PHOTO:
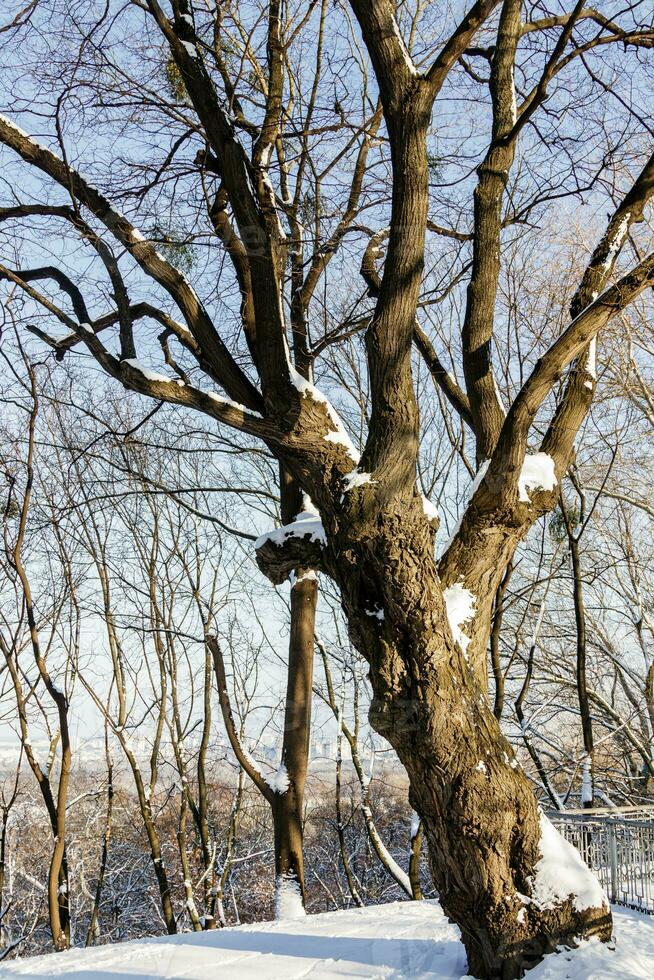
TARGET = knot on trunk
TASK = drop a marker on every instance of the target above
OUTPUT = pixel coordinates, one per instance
(298, 544)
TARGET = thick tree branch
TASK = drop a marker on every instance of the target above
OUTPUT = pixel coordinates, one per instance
(442, 377)
(644, 38)
(137, 311)
(458, 43)
(146, 382)
(393, 65)
(477, 333)
(252, 200)
(234, 380)
(457, 398)
(576, 401)
(511, 447)
(62, 280)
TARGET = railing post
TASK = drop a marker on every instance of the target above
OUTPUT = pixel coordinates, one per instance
(613, 861)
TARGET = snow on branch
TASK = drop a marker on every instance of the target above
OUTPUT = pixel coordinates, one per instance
(385, 856)
(147, 373)
(148, 382)
(308, 390)
(537, 473)
(276, 783)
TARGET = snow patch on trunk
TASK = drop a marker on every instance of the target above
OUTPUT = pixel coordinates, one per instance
(406, 57)
(308, 390)
(288, 898)
(460, 607)
(308, 506)
(591, 360)
(430, 511)
(514, 107)
(617, 241)
(356, 479)
(308, 576)
(279, 781)
(586, 780)
(190, 49)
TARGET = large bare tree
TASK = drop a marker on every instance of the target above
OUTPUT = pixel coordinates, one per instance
(422, 623)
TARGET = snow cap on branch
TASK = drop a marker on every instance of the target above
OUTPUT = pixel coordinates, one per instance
(537, 473)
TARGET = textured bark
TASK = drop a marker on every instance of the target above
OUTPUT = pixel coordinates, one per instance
(480, 817)
(481, 385)
(279, 563)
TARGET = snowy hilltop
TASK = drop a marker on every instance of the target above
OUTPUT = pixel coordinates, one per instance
(401, 940)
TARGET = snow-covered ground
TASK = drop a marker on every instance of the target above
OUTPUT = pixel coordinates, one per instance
(403, 940)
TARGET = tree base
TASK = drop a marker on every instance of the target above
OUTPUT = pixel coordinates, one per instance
(538, 933)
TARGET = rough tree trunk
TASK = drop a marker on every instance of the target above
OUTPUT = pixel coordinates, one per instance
(481, 821)
(285, 790)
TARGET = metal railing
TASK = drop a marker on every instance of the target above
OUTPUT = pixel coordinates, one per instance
(619, 849)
